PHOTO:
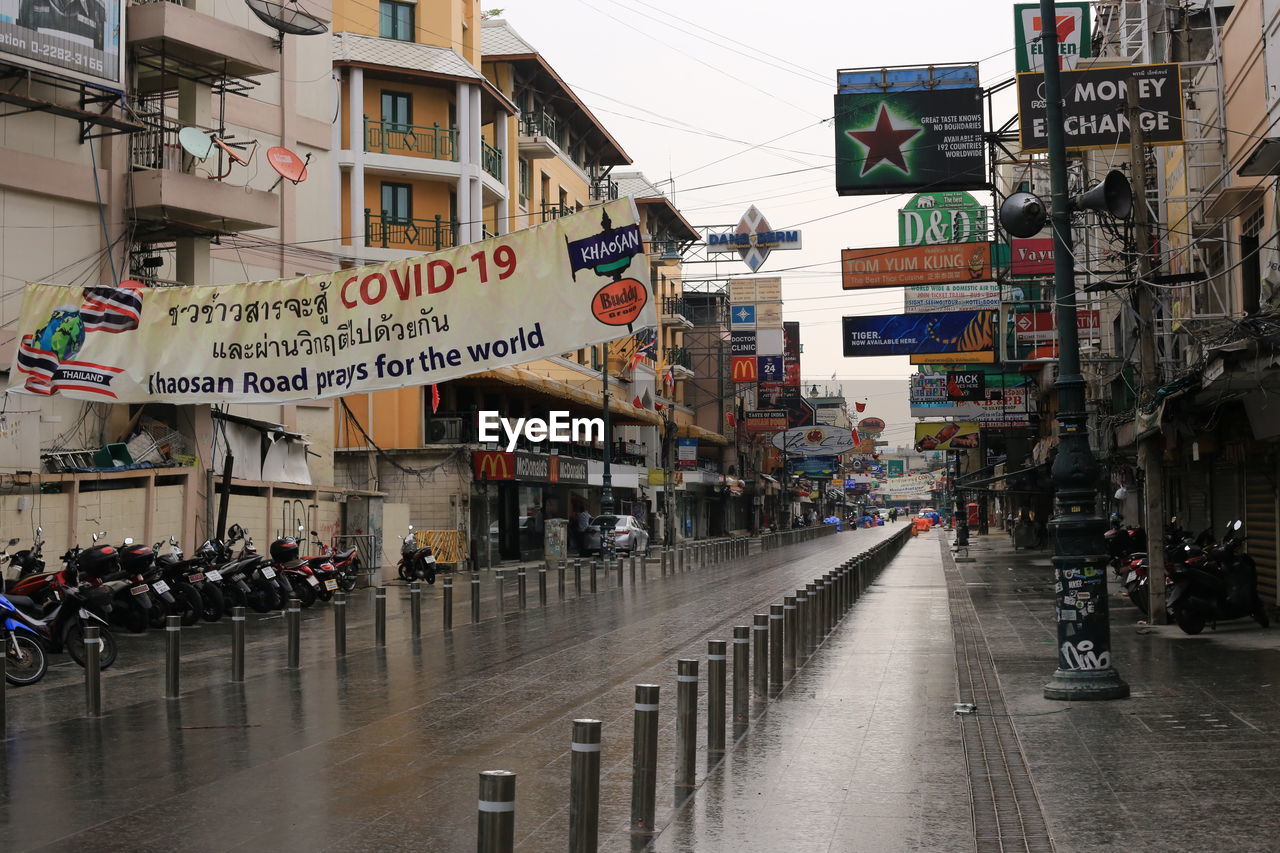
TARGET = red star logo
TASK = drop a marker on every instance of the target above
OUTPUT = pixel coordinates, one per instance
(884, 142)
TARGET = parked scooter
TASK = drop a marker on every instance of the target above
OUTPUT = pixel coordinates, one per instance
(416, 563)
(268, 590)
(1215, 584)
(285, 560)
(25, 661)
(60, 624)
(345, 564)
(28, 561)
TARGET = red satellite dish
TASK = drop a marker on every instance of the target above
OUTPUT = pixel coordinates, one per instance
(290, 166)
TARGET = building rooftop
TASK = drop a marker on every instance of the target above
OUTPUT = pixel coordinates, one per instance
(351, 47)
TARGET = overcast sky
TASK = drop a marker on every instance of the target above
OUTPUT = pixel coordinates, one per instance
(689, 88)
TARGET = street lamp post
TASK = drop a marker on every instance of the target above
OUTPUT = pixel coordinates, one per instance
(1084, 630)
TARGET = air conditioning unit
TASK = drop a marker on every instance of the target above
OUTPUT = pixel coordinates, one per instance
(444, 430)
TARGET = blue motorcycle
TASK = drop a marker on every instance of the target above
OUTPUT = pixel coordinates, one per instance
(25, 661)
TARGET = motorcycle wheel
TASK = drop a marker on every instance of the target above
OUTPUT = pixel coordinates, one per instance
(106, 645)
(304, 592)
(187, 603)
(430, 573)
(1190, 621)
(263, 598)
(212, 602)
(403, 570)
(128, 614)
(1141, 598)
(323, 593)
(26, 662)
(347, 579)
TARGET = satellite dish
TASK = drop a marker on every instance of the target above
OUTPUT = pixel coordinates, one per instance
(290, 166)
(235, 151)
(195, 142)
(286, 18)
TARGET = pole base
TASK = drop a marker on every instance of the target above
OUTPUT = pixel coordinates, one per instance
(1085, 685)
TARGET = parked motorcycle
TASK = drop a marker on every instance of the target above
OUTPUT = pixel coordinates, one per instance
(345, 564)
(267, 590)
(60, 624)
(28, 561)
(1215, 584)
(25, 660)
(204, 599)
(303, 583)
(416, 563)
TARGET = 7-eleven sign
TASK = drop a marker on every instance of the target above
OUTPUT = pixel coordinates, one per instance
(1074, 39)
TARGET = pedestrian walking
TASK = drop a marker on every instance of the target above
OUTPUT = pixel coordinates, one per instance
(581, 523)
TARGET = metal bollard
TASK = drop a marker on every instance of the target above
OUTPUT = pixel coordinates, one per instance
(802, 626)
(340, 624)
(475, 598)
(741, 678)
(172, 652)
(542, 586)
(380, 616)
(293, 622)
(237, 644)
(665, 559)
(813, 638)
(680, 557)
(716, 663)
(446, 612)
(496, 823)
(92, 672)
(631, 569)
(595, 567)
(760, 651)
(788, 635)
(500, 579)
(618, 569)
(775, 648)
(584, 787)
(522, 589)
(415, 607)
(577, 577)
(644, 759)
(560, 578)
(686, 722)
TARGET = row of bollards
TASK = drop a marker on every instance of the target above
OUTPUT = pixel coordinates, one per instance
(780, 640)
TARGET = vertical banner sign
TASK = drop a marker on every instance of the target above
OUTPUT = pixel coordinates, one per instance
(687, 452)
(580, 280)
(791, 354)
(1074, 35)
(908, 130)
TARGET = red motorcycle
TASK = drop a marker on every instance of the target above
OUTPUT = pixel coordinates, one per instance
(416, 563)
(303, 581)
(344, 564)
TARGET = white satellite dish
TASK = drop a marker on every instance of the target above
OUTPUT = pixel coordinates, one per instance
(195, 142)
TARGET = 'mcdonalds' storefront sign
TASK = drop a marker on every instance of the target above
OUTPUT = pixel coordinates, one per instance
(579, 280)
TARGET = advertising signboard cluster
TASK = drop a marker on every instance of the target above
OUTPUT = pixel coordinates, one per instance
(1008, 399)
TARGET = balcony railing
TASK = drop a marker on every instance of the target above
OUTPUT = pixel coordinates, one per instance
(540, 123)
(157, 146)
(679, 357)
(605, 190)
(392, 232)
(555, 211)
(666, 250)
(491, 159)
(672, 305)
(435, 142)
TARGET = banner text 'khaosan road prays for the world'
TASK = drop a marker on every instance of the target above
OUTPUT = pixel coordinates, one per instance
(577, 281)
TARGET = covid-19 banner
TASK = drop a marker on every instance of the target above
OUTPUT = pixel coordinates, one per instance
(577, 281)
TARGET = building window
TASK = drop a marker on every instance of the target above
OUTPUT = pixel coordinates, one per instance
(396, 20)
(397, 202)
(1251, 262)
(397, 115)
(526, 182)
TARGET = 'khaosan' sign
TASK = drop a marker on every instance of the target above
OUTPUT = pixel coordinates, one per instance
(579, 280)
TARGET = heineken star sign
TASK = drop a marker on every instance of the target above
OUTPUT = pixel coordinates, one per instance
(909, 130)
(945, 217)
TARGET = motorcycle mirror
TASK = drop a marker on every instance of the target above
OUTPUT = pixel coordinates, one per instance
(411, 527)
(1173, 520)
(13, 541)
(39, 532)
(95, 537)
(300, 528)
(1239, 524)
(313, 533)
(128, 540)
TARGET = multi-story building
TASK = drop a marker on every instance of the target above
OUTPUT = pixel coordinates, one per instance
(96, 187)
(453, 128)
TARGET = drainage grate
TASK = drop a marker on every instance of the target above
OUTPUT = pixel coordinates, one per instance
(1006, 810)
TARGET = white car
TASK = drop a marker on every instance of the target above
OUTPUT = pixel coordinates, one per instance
(627, 533)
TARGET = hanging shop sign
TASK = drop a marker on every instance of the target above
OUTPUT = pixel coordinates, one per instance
(1040, 326)
(951, 297)
(77, 41)
(909, 130)
(742, 368)
(1095, 107)
(965, 386)
(742, 343)
(765, 420)
(753, 239)
(687, 452)
(907, 334)
(818, 467)
(769, 369)
(943, 217)
(742, 317)
(1031, 256)
(896, 467)
(955, 358)
(1074, 38)
(791, 354)
(871, 426)
(799, 412)
(530, 467)
(576, 281)
(753, 290)
(817, 440)
(894, 266)
(949, 436)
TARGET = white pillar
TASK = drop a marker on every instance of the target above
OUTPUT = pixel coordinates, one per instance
(468, 129)
(477, 193)
(503, 140)
(355, 130)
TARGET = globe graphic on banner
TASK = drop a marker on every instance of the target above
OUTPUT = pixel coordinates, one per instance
(63, 335)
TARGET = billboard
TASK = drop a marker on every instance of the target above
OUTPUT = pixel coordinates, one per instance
(817, 440)
(742, 343)
(965, 386)
(1095, 107)
(742, 368)
(1031, 256)
(1008, 398)
(77, 40)
(1042, 326)
(951, 297)
(961, 435)
(988, 357)
(687, 452)
(943, 217)
(907, 141)
(1074, 39)
(947, 333)
(898, 266)
(765, 420)
(751, 290)
(791, 354)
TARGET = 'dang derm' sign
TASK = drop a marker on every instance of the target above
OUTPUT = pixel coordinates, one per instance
(580, 280)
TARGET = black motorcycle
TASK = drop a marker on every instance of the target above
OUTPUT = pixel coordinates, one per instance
(1214, 584)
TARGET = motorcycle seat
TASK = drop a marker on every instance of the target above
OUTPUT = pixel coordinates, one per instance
(343, 555)
(22, 602)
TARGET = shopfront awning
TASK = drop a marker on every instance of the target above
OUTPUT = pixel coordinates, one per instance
(703, 435)
(623, 411)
